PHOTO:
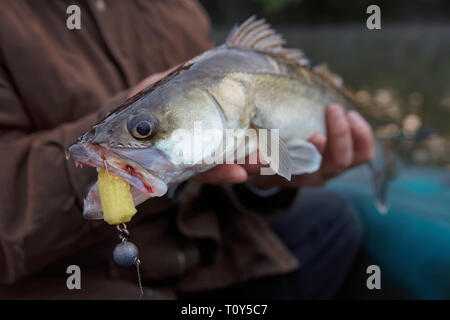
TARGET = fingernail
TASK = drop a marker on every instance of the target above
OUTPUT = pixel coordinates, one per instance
(336, 112)
(355, 118)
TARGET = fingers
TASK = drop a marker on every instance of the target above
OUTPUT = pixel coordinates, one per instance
(254, 168)
(319, 141)
(224, 174)
(363, 140)
(350, 142)
(339, 150)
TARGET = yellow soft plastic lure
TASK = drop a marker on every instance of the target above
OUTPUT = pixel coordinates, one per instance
(116, 198)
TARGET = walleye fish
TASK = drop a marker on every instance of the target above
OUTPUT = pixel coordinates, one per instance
(251, 81)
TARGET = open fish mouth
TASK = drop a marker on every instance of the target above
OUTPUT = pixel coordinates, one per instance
(144, 185)
(103, 158)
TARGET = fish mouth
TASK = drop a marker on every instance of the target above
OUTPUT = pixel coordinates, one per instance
(100, 157)
(143, 183)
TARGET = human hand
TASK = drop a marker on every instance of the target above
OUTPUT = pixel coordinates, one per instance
(349, 143)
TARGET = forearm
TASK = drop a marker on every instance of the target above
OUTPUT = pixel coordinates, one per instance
(42, 197)
(41, 208)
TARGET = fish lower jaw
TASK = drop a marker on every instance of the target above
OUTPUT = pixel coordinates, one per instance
(144, 182)
(101, 158)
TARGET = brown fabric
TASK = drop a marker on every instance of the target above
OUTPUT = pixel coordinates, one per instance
(54, 84)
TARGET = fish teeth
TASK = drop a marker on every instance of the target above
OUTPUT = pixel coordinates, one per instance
(78, 165)
(106, 166)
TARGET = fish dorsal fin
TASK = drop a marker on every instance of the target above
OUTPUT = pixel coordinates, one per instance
(323, 70)
(256, 34)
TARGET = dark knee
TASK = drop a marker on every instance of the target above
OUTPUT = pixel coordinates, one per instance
(319, 214)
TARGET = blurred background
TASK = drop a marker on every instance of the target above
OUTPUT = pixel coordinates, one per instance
(400, 76)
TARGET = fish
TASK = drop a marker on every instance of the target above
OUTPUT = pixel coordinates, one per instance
(251, 82)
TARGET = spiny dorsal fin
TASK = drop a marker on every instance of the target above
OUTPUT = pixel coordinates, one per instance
(257, 35)
(323, 70)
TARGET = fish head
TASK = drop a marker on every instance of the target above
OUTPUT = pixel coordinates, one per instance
(152, 142)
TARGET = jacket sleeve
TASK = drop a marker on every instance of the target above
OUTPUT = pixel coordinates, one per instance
(41, 193)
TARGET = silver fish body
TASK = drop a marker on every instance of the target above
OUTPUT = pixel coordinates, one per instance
(249, 82)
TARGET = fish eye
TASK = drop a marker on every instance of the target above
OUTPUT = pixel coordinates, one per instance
(142, 126)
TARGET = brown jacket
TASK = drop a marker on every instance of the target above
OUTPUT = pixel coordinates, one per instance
(54, 84)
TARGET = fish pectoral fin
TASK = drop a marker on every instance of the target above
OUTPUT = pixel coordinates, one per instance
(305, 157)
(296, 157)
(279, 160)
(284, 166)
